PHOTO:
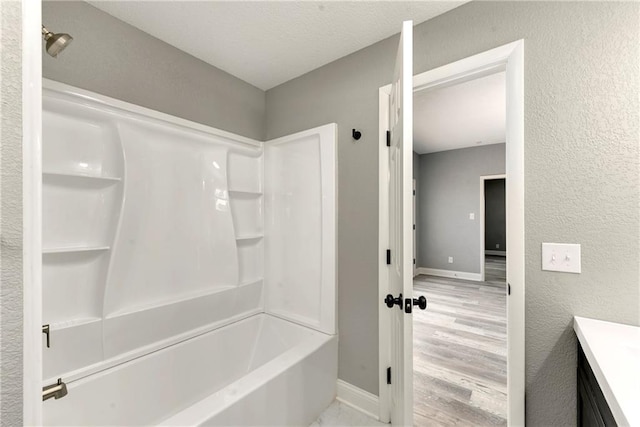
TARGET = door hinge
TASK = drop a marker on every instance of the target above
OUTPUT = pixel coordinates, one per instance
(46, 329)
(414, 192)
(388, 138)
(414, 226)
(389, 375)
(508, 289)
(414, 261)
(388, 256)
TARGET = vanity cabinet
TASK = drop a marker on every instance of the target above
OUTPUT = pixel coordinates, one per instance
(593, 410)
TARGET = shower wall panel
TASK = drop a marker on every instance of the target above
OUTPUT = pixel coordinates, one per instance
(176, 237)
(152, 230)
(300, 191)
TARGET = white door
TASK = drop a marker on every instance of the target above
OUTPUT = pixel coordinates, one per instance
(400, 230)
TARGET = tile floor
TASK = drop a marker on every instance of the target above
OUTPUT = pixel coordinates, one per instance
(340, 415)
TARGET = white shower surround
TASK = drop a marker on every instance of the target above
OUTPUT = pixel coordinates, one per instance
(168, 245)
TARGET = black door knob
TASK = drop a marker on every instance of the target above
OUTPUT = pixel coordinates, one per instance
(391, 301)
(420, 302)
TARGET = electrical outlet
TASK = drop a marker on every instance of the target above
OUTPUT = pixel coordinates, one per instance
(472, 215)
(450, 260)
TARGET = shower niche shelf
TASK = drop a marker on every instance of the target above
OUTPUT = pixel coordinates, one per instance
(245, 193)
(245, 172)
(73, 323)
(77, 249)
(250, 260)
(49, 175)
(78, 141)
(250, 237)
(246, 210)
(78, 211)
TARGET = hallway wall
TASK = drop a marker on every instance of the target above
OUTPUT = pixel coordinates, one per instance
(449, 192)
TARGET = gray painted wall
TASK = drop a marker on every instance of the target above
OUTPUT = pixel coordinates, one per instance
(116, 59)
(495, 224)
(449, 192)
(11, 214)
(581, 172)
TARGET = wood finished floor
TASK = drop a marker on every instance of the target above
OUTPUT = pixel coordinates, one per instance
(460, 350)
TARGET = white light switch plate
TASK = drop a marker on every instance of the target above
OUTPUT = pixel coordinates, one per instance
(563, 257)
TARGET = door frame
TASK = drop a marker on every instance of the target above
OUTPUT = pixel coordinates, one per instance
(508, 58)
(32, 212)
(482, 218)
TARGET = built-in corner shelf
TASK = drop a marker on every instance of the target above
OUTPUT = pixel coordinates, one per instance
(72, 175)
(255, 236)
(246, 193)
(72, 323)
(75, 249)
(250, 281)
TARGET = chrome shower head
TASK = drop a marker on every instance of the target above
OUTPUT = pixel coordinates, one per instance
(55, 42)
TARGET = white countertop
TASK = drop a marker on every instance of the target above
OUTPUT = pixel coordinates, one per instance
(613, 351)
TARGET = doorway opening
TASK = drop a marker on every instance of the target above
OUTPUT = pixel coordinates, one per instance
(493, 225)
(460, 342)
(507, 59)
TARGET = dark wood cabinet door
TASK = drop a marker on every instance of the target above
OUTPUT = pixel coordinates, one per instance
(588, 415)
(593, 409)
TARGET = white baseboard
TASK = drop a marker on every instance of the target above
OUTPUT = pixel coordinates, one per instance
(359, 399)
(476, 277)
(494, 252)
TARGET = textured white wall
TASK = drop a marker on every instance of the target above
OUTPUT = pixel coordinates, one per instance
(582, 81)
(11, 214)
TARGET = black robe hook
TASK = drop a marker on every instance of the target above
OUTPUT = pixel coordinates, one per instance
(356, 134)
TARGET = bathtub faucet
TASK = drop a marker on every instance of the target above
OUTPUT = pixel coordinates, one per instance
(56, 390)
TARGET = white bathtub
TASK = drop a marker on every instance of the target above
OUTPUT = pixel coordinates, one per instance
(259, 371)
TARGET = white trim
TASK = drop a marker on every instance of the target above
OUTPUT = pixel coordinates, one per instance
(32, 212)
(495, 253)
(515, 235)
(509, 58)
(483, 252)
(357, 398)
(466, 69)
(464, 275)
(85, 97)
(384, 318)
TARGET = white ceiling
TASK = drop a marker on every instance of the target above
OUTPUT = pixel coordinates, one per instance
(460, 116)
(267, 43)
